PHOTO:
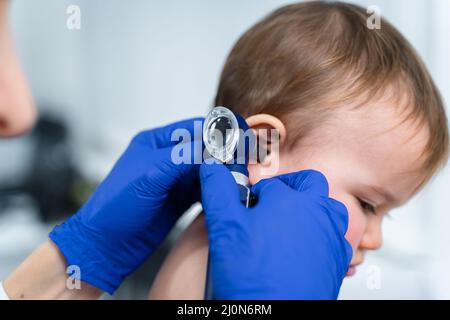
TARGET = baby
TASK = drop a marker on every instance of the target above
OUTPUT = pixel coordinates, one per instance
(356, 104)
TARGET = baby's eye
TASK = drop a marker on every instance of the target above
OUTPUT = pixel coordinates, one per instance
(367, 207)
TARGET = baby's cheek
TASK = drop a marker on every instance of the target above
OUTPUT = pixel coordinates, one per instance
(356, 226)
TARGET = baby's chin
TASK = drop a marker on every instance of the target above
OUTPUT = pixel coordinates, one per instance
(351, 271)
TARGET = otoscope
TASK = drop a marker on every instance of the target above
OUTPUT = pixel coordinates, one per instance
(227, 138)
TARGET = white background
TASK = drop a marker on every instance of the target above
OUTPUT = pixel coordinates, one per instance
(138, 64)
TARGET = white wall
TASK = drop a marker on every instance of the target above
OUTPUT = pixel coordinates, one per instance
(137, 64)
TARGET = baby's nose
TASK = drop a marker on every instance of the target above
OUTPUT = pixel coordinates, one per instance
(372, 238)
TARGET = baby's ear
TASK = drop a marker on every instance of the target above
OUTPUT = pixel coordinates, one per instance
(271, 136)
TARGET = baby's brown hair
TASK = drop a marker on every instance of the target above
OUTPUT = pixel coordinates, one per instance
(304, 58)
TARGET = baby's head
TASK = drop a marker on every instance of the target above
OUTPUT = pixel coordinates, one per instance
(354, 103)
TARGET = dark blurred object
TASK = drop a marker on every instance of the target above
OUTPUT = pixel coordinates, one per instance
(53, 181)
(52, 172)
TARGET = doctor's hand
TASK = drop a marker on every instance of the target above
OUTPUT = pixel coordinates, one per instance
(290, 245)
(132, 210)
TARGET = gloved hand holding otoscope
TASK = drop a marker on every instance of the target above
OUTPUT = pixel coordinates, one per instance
(280, 239)
(229, 140)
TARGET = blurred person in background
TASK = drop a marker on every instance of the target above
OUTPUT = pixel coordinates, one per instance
(17, 110)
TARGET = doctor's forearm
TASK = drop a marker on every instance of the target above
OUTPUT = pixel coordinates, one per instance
(43, 276)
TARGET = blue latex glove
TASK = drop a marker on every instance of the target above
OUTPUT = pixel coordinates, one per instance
(290, 245)
(132, 210)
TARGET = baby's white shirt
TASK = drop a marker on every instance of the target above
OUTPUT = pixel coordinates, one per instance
(3, 295)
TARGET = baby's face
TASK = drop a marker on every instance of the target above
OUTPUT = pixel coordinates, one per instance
(369, 158)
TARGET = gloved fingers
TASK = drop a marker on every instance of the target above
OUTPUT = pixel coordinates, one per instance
(172, 169)
(266, 188)
(338, 215)
(349, 253)
(172, 134)
(183, 155)
(220, 193)
(186, 191)
(308, 181)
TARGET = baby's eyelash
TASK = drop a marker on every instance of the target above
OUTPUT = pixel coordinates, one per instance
(367, 207)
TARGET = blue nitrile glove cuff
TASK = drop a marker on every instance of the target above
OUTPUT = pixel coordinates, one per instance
(95, 269)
